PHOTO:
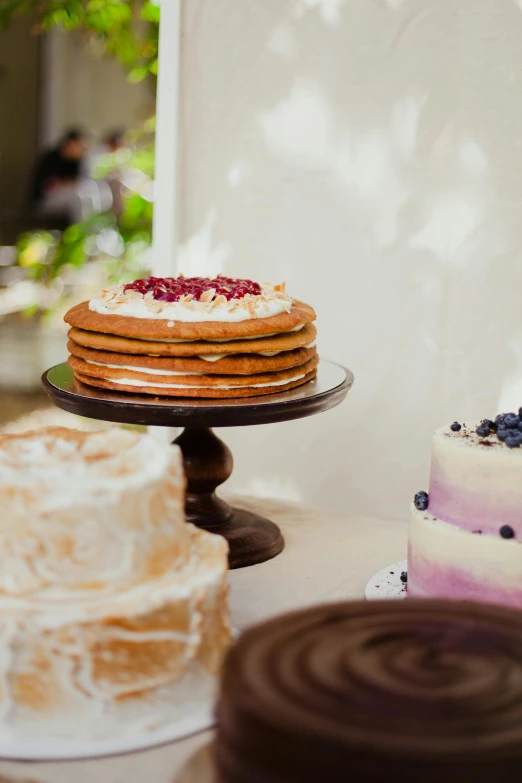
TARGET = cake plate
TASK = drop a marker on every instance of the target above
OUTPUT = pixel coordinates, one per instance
(207, 460)
(198, 716)
(387, 584)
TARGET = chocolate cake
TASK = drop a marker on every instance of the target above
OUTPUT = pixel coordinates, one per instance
(420, 691)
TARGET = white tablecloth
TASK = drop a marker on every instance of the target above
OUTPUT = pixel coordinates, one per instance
(329, 556)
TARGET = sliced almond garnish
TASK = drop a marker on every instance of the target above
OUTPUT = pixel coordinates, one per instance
(207, 296)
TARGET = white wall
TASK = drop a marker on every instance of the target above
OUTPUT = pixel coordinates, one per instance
(370, 153)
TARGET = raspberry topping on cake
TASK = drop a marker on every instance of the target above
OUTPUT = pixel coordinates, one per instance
(202, 289)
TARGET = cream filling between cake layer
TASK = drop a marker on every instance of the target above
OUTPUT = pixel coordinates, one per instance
(224, 340)
(115, 301)
(142, 369)
(216, 357)
(134, 382)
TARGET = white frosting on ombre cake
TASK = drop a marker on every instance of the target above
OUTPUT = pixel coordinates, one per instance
(446, 561)
(475, 483)
(468, 543)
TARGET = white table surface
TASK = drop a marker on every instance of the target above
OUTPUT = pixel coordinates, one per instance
(329, 556)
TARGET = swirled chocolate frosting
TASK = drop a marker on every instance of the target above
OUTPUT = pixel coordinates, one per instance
(411, 691)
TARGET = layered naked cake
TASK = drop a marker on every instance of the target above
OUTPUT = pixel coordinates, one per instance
(193, 337)
(106, 593)
(366, 692)
(465, 535)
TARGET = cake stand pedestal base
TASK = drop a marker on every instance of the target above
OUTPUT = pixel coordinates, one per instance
(208, 463)
(207, 460)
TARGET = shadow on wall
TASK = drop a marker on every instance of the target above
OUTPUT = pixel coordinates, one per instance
(368, 154)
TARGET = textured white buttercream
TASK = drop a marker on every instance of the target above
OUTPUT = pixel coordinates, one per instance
(105, 591)
(95, 509)
(65, 663)
(99, 462)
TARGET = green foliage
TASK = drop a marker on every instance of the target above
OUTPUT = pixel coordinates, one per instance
(127, 29)
(119, 241)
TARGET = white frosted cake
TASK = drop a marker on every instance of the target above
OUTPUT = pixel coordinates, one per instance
(465, 534)
(106, 593)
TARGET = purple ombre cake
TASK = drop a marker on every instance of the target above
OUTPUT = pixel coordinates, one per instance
(465, 535)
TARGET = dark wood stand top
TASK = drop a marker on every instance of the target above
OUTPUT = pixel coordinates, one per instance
(207, 460)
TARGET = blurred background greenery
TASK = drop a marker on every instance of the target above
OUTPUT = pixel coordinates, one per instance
(118, 240)
(116, 24)
(70, 63)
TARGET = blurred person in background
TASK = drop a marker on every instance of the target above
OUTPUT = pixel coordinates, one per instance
(63, 188)
(113, 142)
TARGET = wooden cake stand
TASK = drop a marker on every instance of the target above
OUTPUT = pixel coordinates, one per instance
(207, 460)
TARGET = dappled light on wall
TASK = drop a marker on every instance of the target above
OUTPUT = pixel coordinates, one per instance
(368, 152)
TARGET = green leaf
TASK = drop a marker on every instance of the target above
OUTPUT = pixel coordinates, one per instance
(111, 22)
(77, 255)
(30, 311)
(151, 12)
(138, 74)
(72, 234)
